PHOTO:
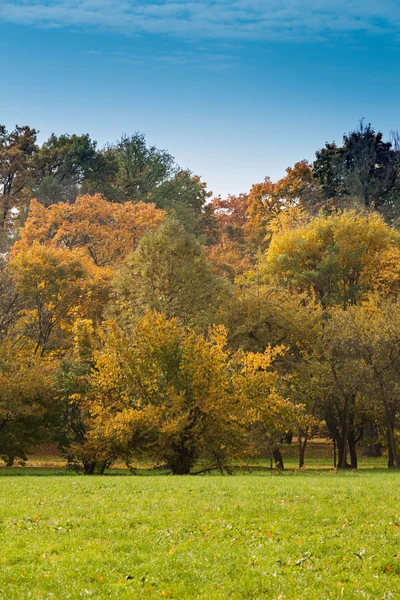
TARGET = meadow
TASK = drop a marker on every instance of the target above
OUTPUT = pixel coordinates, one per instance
(252, 535)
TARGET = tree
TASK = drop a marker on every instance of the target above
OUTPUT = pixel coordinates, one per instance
(299, 188)
(263, 206)
(228, 249)
(180, 397)
(365, 167)
(57, 286)
(27, 395)
(17, 150)
(75, 436)
(107, 232)
(10, 301)
(165, 390)
(184, 196)
(140, 169)
(261, 316)
(375, 337)
(67, 162)
(266, 415)
(168, 273)
(335, 376)
(333, 258)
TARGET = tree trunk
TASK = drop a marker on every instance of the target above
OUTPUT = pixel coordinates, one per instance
(278, 459)
(10, 461)
(302, 448)
(180, 467)
(288, 437)
(182, 460)
(89, 466)
(353, 455)
(373, 448)
(393, 461)
(338, 428)
(342, 453)
(352, 440)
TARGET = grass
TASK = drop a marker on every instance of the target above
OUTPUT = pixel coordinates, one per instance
(308, 535)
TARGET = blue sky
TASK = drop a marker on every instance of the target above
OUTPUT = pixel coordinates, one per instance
(235, 90)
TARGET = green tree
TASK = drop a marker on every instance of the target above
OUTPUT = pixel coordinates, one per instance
(364, 167)
(140, 169)
(168, 273)
(17, 169)
(333, 374)
(374, 336)
(66, 163)
(185, 195)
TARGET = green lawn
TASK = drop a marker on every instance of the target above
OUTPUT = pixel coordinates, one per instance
(259, 535)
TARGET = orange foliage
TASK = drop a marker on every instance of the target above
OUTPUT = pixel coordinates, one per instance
(107, 231)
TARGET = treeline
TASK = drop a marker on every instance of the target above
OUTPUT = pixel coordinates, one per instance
(138, 317)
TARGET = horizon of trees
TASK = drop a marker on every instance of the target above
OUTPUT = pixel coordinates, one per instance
(141, 316)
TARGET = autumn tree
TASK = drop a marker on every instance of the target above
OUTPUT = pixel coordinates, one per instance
(331, 257)
(27, 396)
(76, 431)
(168, 273)
(266, 415)
(10, 300)
(259, 316)
(228, 250)
(162, 389)
(299, 188)
(375, 338)
(180, 397)
(262, 207)
(57, 286)
(107, 232)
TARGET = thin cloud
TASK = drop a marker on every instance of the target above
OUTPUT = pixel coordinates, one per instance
(275, 20)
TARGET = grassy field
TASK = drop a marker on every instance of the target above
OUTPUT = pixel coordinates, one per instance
(305, 535)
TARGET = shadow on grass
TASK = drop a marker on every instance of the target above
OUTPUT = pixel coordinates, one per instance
(254, 470)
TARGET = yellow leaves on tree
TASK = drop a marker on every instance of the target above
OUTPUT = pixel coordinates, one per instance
(267, 416)
(58, 285)
(27, 391)
(335, 257)
(106, 231)
(180, 397)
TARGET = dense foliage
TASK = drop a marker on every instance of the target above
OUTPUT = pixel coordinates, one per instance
(139, 317)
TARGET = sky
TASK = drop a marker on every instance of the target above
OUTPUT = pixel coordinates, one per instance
(236, 90)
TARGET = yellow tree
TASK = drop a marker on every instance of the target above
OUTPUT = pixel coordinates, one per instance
(163, 389)
(106, 231)
(179, 397)
(266, 415)
(333, 258)
(57, 286)
(262, 207)
(27, 400)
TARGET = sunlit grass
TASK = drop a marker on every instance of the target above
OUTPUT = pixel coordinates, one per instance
(254, 535)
